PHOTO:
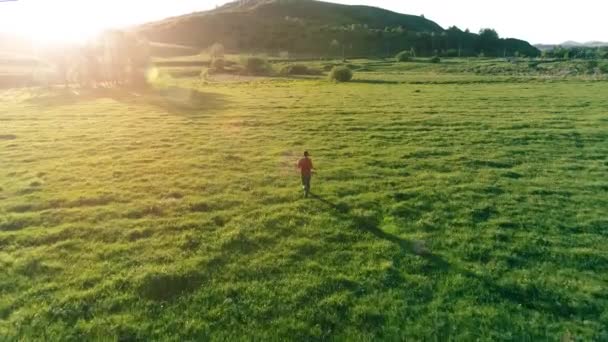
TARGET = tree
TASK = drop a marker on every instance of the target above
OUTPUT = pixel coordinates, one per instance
(488, 34)
(489, 41)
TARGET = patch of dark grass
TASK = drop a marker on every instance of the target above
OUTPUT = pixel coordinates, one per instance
(495, 164)
(168, 286)
(512, 175)
(207, 205)
(405, 195)
(493, 190)
(201, 207)
(34, 267)
(138, 234)
(22, 208)
(549, 192)
(152, 210)
(421, 154)
(484, 214)
(596, 227)
(17, 222)
(174, 195)
(8, 137)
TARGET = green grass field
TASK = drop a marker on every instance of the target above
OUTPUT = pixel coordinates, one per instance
(446, 207)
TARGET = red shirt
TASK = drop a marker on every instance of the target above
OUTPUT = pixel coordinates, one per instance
(305, 165)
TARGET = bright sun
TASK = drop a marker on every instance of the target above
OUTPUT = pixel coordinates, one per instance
(66, 21)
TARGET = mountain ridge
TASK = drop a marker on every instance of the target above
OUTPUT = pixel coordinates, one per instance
(314, 27)
(573, 44)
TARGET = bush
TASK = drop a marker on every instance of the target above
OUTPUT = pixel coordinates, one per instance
(604, 68)
(435, 59)
(341, 74)
(256, 66)
(299, 69)
(404, 56)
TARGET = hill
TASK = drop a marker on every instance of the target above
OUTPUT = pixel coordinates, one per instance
(322, 28)
(572, 44)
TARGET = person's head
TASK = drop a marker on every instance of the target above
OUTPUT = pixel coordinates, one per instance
(306, 154)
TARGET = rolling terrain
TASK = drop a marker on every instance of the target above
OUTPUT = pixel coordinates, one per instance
(448, 206)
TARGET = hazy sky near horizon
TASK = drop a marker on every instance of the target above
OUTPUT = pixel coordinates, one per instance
(540, 21)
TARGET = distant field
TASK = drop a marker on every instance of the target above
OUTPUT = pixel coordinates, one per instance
(449, 206)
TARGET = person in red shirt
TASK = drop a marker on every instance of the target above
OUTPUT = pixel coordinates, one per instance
(306, 168)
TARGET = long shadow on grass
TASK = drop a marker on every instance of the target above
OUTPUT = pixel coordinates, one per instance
(532, 297)
(175, 100)
(370, 224)
(375, 81)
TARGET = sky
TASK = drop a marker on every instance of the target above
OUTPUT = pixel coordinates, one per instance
(537, 21)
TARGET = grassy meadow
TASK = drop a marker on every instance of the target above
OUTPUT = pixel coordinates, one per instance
(448, 206)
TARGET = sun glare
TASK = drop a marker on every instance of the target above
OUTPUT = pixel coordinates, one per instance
(64, 21)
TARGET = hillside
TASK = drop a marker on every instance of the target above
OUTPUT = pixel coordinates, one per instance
(322, 28)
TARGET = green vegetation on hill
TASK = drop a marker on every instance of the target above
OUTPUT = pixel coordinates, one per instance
(315, 28)
(450, 206)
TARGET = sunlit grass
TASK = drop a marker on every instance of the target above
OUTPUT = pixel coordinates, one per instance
(452, 210)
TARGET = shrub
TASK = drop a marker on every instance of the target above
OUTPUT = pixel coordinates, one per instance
(341, 74)
(256, 66)
(435, 59)
(404, 56)
(604, 68)
(299, 69)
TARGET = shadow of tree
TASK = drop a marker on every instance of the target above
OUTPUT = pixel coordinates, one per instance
(532, 297)
(174, 100)
(374, 81)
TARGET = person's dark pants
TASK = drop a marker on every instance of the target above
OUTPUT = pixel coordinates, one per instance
(306, 184)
